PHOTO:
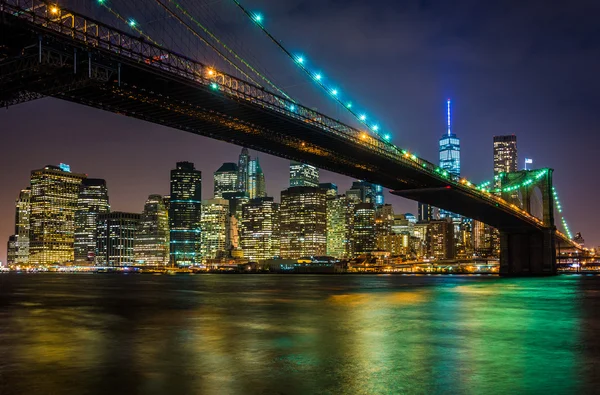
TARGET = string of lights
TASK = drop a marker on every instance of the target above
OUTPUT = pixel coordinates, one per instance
(331, 90)
(129, 22)
(559, 208)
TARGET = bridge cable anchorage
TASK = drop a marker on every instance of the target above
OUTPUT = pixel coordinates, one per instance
(317, 77)
(195, 33)
(231, 51)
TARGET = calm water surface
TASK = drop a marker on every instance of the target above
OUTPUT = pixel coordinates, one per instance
(277, 334)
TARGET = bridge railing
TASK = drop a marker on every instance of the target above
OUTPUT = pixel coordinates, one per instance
(98, 35)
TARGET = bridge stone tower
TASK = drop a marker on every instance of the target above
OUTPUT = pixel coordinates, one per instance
(528, 250)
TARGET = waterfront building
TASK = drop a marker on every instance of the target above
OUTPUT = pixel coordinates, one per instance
(214, 228)
(11, 250)
(152, 237)
(115, 238)
(53, 202)
(395, 244)
(340, 216)
(259, 229)
(505, 156)
(22, 214)
(91, 202)
(440, 239)
(243, 163)
(364, 228)
(303, 222)
(185, 213)
(419, 239)
(256, 180)
(483, 239)
(225, 179)
(303, 175)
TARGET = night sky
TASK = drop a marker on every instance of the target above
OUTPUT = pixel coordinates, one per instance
(528, 68)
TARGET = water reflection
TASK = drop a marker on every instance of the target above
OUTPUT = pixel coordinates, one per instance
(98, 334)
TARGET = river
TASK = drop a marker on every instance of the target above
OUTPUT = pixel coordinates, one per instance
(298, 334)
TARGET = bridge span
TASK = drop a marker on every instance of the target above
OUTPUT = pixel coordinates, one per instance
(50, 51)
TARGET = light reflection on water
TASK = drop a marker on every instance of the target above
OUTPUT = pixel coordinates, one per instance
(294, 334)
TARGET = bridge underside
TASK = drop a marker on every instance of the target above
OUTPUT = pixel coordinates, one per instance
(37, 62)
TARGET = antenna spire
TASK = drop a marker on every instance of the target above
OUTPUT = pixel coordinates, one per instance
(449, 105)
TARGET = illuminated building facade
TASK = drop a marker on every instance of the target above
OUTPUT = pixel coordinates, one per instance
(243, 163)
(366, 192)
(225, 179)
(425, 212)
(152, 237)
(11, 250)
(185, 211)
(22, 214)
(331, 190)
(259, 229)
(450, 146)
(303, 222)
(214, 228)
(303, 175)
(505, 156)
(116, 236)
(256, 180)
(53, 202)
(364, 228)
(91, 202)
(440, 239)
(340, 216)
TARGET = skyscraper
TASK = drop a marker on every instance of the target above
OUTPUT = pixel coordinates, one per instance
(214, 228)
(54, 195)
(225, 179)
(303, 222)
(366, 192)
(259, 235)
(425, 213)
(151, 245)
(340, 217)
(256, 180)
(440, 239)
(331, 190)
(243, 162)
(22, 214)
(185, 214)
(115, 238)
(505, 156)
(303, 175)
(450, 146)
(364, 228)
(92, 201)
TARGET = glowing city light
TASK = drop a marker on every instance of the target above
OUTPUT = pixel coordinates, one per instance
(318, 77)
(214, 86)
(334, 92)
(375, 127)
(132, 23)
(54, 9)
(257, 17)
(300, 59)
(292, 107)
(363, 117)
(387, 137)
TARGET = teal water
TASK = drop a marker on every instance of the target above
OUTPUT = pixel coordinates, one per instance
(295, 334)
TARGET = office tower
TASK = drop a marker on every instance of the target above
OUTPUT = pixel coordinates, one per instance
(366, 192)
(340, 216)
(259, 229)
(419, 246)
(384, 219)
(115, 238)
(379, 199)
(22, 214)
(91, 202)
(303, 222)
(440, 238)
(505, 156)
(236, 202)
(185, 214)
(167, 201)
(364, 228)
(303, 175)
(53, 202)
(331, 190)
(243, 163)
(151, 246)
(402, 224)
(11, 250)
(425, 213)
(395, 244)
(214, 228)
(256, 180)
(450, 146)
(225, 179)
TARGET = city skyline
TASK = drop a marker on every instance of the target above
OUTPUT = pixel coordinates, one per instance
(515, 91)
